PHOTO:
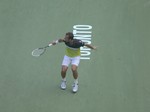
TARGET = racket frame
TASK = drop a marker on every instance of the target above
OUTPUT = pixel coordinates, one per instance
(44, 49)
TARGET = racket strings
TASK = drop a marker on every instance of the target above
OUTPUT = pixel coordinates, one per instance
(38, 52)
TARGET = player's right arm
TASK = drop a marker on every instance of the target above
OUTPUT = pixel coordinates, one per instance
(57, 41)
(61, 40)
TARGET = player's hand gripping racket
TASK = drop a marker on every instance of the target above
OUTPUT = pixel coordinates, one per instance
(39, 51)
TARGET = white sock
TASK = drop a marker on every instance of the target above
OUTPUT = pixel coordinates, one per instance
(76, 81)
(63, 79)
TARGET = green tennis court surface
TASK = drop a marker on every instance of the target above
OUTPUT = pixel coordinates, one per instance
(115, 78)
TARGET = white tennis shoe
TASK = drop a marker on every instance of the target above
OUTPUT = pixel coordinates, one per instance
(63, 85)
(75, 87)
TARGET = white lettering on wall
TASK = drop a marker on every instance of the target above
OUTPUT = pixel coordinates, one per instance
(83, 32)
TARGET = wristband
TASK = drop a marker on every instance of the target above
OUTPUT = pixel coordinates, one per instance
(56, 41)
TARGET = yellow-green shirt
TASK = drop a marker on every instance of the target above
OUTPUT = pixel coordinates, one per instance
(73, 49)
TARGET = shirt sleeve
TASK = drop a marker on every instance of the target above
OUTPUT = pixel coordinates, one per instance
(81, 43)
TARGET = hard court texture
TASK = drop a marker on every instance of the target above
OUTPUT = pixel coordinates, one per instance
(116, 78)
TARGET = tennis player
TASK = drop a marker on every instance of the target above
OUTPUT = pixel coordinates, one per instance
(72, 57)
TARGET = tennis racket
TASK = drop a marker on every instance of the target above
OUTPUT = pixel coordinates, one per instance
(39, 51)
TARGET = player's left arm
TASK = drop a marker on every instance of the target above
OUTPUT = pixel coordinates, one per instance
(90, 46)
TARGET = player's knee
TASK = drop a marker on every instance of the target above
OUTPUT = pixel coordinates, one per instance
(74, 69)
(64, 69)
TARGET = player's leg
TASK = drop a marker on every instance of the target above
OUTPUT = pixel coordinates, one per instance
(74, 71)
(63, 71)
(65, 64)
(74, 67)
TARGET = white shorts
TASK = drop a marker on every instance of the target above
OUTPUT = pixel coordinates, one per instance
(73, 60)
